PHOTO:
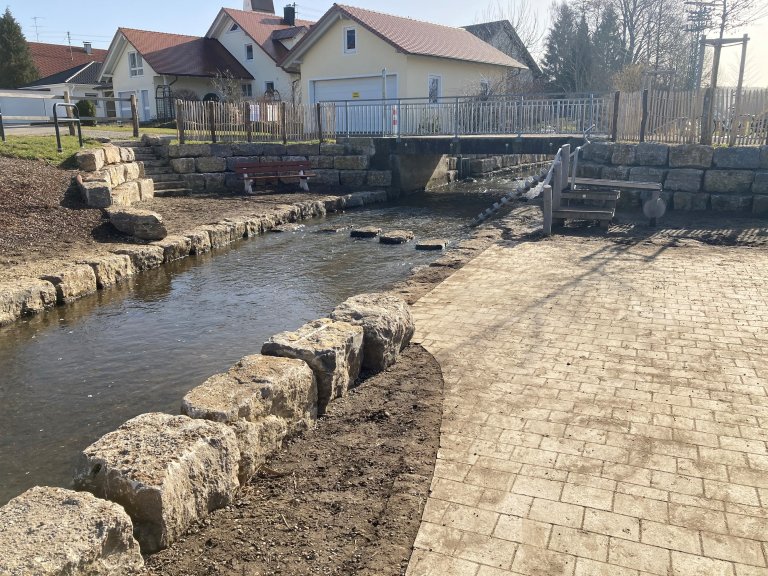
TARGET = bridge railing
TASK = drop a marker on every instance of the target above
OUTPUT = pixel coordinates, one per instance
(469, 116)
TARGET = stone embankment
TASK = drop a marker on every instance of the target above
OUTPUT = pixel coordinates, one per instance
(111, 176)
(694, 177)
(157, 474)
(34, 294)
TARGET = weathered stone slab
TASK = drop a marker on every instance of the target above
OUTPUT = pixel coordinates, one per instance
(760, 185)
(691, 156)
(220, 234)
(208, 164)
(351, 163)
(615, 172)
(327, 178)
(200, 241)
(188, 150)
(728, 181)
(127, 155)
(600, 152)
(738, 158)
(684, 180)
(646, 174)
(395, 237)
(332, 349)
(324, 162)
(352, 178)
(126, 194)
(237, 228)
(480, 166)
(387, 323)
(110, 270)
(215, 182)
(431, 244)
(301, 149)
(25, 296)
(275, 150)
(143, 224)
(688, 201)
(54, 532)
(352, 201)
(760, 205)
(166, 471)
(373, 197)
(97, 194)
(182, 165)
(256, 441)
(195, 182)
(143, 257)
(221, 150)
(328, 149)
(132, 171)
(624, 154)
(174, 247)
(111, 154)
(90, 160)
(652, 154)
(72, 283)
(365, 232)
(731, 203)
(764, 157)
(590, 170)
(146, 188)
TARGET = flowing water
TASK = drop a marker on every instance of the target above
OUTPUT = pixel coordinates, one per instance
(72, 374)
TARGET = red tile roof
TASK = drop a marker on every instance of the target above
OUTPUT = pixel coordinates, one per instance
(261, 26)
(52, 59)
(427, 39)
(180, 55)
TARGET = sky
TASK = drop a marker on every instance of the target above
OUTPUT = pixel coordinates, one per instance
(55, 18)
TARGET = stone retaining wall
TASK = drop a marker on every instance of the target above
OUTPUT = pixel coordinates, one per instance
(210, 168)
(167, 472)
(694, 177)
(112, 176)
(32, 295)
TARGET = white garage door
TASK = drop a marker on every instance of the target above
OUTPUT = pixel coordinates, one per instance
(354, 89)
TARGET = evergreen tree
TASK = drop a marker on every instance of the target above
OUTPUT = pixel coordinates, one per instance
(16, 66)
(609, 55)
(559, 64)
(582, 58)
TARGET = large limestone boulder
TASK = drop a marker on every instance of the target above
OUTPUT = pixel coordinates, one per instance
(396, 237)
(387, 323)
(261, 398)
(332, 349)
(73, 282)
(166, 471)
(25, 296)
(143, 224)
(110, 270)
(175, 247)
(90, 160)
(53, 531)
(143, 257)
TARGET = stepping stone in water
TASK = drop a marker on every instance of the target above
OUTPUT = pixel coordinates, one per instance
(396, 237)
(366, 232)
(333, 229)
(288, 228)
(432, 245)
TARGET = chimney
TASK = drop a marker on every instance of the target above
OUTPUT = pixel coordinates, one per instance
(289, 15)
(88, 47)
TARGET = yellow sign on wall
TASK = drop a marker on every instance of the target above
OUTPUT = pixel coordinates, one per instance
(355, 94)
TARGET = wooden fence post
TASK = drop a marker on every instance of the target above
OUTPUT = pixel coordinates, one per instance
(248, 121)
(644, 120)
(615, 125)
(180, 121)
(134, 116)
(284, 122)
(71, 125)
(319, 122)
(547, 196)
(706, 119)
(211, 119)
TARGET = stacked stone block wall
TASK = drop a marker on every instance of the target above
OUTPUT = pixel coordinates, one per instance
(111, 176)
(694, 177)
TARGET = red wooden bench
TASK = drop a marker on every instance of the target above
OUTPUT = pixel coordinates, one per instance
(276, 172)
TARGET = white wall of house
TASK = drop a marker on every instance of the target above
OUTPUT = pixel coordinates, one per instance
(142, 86)
(21, 106)
(261, 66)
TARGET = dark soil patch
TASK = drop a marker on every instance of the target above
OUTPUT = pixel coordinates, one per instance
(343, 498)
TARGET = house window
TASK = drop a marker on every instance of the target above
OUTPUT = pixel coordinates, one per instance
(435, 88)
(249, 51)
(135, 64)
(269, 87)
(485, 88)
(350, 40)
(234, 28)
(247, 90)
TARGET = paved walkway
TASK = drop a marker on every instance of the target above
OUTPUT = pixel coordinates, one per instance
(605, 413)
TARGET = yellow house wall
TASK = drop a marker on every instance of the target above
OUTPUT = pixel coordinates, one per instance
(458, 77)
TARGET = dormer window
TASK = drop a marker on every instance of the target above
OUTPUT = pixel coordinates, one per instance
(350, 40)
(135, 64)
(234, 28)
(249, 51)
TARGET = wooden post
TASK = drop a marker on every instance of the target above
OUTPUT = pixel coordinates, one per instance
(283, 122)
(319, 122)
(706, 118)
(565, 158)
(210, 107)
(709, 105)
(134, 116)
(739, 89)
(547, 197)
(71, 125)
(248, 121)
(644, 120)
(180, 121)
(615, 125)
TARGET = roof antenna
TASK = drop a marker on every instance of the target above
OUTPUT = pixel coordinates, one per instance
(69, 42)
(37, 27)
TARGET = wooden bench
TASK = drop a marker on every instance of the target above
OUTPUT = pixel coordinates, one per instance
(276, 172)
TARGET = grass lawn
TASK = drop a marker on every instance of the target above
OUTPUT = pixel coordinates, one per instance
(44, 148)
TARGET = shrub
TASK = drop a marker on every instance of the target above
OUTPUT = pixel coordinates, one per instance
(87, 109)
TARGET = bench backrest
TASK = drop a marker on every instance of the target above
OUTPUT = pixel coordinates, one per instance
(272, 167)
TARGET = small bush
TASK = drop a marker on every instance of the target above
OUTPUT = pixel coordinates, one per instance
(86, 109)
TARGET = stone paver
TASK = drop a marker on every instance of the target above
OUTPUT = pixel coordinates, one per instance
(605, 412)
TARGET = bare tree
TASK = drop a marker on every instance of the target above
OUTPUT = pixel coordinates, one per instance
(731, 14)
(524, 19)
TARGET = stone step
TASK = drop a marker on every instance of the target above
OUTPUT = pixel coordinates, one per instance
(169, 184)
(147, 158)
(173, 193)
(163, 171)
(606, 195)
(583, 213)
(153, 163)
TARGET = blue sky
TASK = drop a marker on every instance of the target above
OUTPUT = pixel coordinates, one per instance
(56, 18)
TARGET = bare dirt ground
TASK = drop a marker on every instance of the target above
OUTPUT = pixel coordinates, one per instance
(343, 498)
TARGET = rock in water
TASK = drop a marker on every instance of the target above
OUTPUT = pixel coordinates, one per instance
(142, 224)
(53, 531)
(431, 245)
(387, 323)
(365, 232)
(396, 237)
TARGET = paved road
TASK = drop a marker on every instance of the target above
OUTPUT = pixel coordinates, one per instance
(605, 412)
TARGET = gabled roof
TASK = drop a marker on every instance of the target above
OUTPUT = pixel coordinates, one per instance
(264, 29)
(82, 74)
(176, 54)
(52, 59)
(409, 37)
(486, 32)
